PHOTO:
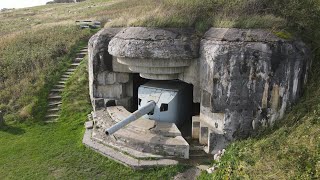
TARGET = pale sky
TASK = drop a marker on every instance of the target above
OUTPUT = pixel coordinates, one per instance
(21, 3)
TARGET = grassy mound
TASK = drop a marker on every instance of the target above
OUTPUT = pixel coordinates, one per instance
(36, 44)
(30, 62)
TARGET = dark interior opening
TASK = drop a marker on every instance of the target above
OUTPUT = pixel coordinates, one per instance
(195, 109)
(137, 81)
(186, 127)
(111, 103)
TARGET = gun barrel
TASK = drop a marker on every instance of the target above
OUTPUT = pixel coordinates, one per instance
(134, 116)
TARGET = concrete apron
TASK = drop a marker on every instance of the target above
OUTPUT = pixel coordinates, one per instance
(141, 144)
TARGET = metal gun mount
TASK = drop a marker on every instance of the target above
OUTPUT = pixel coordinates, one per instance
(134, 116)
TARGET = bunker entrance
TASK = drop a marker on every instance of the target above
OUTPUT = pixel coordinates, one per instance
(173, 98)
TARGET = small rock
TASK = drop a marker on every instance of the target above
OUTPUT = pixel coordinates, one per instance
(89, 124)
(90, 117)
(203, 167)
(223, 151)
(211, 170)
(216, 157)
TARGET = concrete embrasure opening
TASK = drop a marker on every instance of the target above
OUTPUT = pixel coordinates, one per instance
(137, 82)
(185, 108)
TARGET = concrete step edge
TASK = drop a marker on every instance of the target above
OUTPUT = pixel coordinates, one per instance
(52, 116)
(54, 97)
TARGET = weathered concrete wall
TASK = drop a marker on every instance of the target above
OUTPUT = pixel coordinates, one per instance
(243, 79)
(105, 85)
(159, 54)
(248, 79)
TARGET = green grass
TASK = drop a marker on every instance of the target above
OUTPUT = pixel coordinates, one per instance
(36, 44)
(51, 151)
(30, 63)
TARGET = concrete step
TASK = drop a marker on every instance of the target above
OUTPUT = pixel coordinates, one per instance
(52, 120)
(55, 109)
(59, 86)
(197, 147)
(198, 154)
(68, 73)
(62, 82)
(66, 76)
(55, 93)
(71, 70)
(75, 64)
(55, 104)
(56, 90)
(52, 115)
(54, 97)
(77, 59)
(81, 55)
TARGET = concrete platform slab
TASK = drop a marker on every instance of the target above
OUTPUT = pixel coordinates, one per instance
(122, 157)
(143, 135)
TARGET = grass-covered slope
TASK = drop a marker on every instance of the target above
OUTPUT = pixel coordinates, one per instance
(33, 40)
(36, 44)
(30, 62)
(55, 151)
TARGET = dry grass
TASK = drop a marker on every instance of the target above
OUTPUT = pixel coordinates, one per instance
(34, 40)
(30, 60)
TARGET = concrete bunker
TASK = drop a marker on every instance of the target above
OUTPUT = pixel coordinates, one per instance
(240, 79)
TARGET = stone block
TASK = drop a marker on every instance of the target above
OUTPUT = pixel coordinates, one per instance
(88, 124)
(109, 78)
(216, 142)
(195, 127)
(122, 77)
(204, 133)
(116, 91)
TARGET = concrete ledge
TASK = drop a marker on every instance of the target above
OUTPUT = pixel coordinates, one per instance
(123, 158)
(148, 137)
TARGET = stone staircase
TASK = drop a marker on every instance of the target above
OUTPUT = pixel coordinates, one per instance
(54, 98)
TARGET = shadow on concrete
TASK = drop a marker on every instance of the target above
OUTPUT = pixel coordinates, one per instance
(12, 130)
